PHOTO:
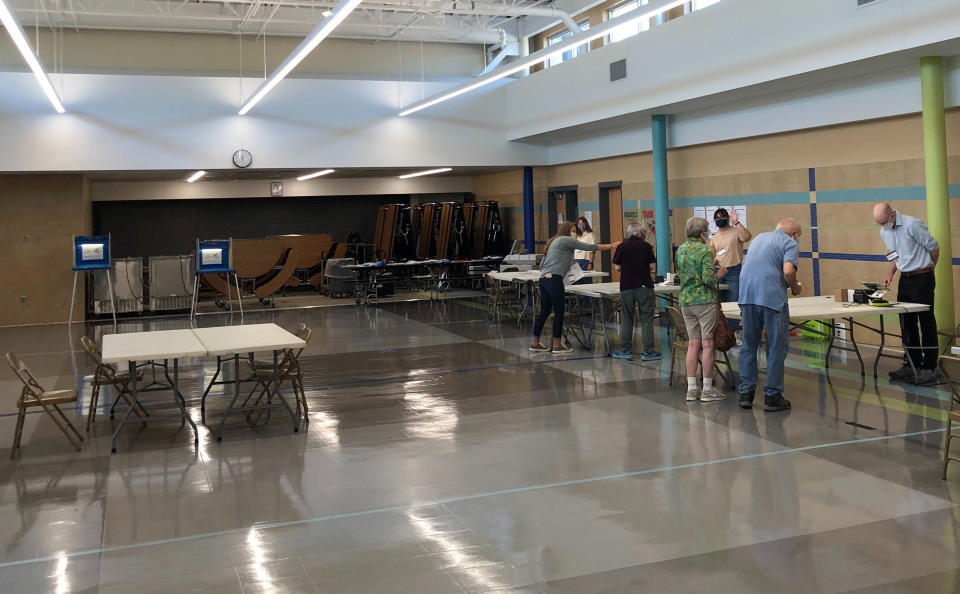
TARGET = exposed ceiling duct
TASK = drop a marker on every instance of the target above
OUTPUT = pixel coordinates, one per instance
(477, 22)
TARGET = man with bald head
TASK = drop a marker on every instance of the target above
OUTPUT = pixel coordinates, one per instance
(769, 270)
(912, 251)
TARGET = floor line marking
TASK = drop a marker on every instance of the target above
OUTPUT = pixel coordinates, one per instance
(459, 499)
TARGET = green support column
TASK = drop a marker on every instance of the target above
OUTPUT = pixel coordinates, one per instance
(938, 197)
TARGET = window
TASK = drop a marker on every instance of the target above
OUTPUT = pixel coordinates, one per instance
(629, 29)
(698, 4)
(571, 53)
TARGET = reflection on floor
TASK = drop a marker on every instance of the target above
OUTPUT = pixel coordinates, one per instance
(441, 456)
(303, 298)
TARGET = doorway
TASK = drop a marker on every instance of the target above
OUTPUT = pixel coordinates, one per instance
(611, 222)
(562, 206)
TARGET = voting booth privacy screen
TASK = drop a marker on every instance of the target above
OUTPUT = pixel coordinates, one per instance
(91, 253)
(214, 256)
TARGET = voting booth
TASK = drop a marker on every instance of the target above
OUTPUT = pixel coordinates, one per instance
(215, 256)
(92, 255)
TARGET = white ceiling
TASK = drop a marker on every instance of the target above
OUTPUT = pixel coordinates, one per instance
(462, 21)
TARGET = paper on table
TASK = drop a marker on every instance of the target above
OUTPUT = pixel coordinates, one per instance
(573, 275)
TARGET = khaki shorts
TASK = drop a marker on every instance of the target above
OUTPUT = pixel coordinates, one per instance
(700, 320)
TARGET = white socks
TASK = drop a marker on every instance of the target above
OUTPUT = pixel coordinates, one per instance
(691, 383)
(707, 383)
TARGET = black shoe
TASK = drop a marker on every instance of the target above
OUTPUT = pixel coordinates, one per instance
(775, 403)
(745, 399)
(926, 377)
(904, 373)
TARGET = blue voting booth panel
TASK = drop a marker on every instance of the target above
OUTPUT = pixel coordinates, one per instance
(214, 256)
(91, 253)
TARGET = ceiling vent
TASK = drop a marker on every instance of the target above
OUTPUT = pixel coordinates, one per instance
(862, 3)
(618, 70)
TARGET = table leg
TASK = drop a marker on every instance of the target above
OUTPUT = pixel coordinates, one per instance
(132, 367)
(233, 400)
(883, 340)
(181, 403)
(203, 399)
(276, 387)
(856, 348)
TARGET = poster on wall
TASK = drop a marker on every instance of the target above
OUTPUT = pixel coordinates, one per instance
(741, 211)
(588, 214)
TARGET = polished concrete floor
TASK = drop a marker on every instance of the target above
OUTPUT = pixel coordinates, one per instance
(441, 456)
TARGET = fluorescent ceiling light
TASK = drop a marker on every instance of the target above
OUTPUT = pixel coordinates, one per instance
(314, 174)
(340, 11)
(645, 12)
(327, 13)
(196, 176)
(20, 40)
(427, 172)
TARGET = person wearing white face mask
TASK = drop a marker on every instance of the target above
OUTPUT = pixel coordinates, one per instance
(584, 258)
(912, 251)
(769, 269)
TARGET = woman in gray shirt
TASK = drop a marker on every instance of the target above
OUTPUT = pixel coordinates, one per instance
(556, 262)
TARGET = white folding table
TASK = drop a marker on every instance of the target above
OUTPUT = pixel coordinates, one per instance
(599, 291)
(955, 351)
(152, 346)
(826, 309)
(529, 279)
(234, 340)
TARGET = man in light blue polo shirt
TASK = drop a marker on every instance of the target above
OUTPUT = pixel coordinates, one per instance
(769, 269)
(912, 251)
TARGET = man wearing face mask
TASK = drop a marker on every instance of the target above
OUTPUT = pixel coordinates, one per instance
(727, 243)
(769, 270)
(912, 251)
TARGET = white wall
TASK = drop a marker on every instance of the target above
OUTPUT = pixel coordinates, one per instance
(731, 45)
(885, 93)
(117, 122)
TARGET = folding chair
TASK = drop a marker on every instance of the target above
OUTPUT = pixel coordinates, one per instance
(288, 371)
(952, 336)
(34, 395)
(106, 375)
(950, 366)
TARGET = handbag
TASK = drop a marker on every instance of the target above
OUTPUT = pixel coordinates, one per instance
(724, 338)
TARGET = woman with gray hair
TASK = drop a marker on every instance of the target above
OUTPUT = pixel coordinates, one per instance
(698, 304)
(637, 265)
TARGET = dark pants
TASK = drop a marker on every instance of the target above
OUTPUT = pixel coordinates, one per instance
(551, 298)
(643, 300)
(584, 264)
(919, 289)
(732, 292)
(756, 319)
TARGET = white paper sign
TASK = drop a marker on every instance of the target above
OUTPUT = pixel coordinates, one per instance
(91, 251)
(211, 256)
(589, 216)
(741, 211)
(573, 275)
(700, 211)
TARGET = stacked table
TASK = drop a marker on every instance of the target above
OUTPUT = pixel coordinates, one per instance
(199, 342)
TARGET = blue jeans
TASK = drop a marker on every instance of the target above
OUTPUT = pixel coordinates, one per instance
(551, 299)
(756, 318)
(732, 293)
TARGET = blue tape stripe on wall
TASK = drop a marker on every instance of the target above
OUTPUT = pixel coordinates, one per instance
(812, 176)
(588, 206)
(853, 257)
(880, 194)
(815, 240)
(813, 215)
(816, 276)
(832, 196)
(747, 199)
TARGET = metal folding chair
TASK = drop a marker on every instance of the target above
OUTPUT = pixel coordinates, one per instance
(33, 395)
(106, 375)
(288, 371)
(950, 366)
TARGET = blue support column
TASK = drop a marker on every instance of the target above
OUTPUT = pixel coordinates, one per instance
(661, 195)
(529, 231)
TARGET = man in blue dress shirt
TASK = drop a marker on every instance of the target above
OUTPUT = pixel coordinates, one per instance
(769, 269)
(912, 251)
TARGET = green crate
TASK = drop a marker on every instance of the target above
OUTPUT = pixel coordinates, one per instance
(815, 330)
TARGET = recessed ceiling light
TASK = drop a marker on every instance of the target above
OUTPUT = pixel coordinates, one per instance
(314, 174)
(326, 13)
(427, 172)
(196, 176)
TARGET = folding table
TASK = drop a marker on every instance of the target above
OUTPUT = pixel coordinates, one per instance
(151, 346)
(805, 309)
(233, 340)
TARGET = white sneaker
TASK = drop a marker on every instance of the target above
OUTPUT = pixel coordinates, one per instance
(693, 394)
(712, 395)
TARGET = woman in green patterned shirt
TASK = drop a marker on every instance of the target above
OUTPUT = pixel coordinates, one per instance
(698, 304)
